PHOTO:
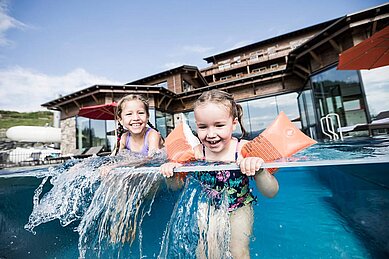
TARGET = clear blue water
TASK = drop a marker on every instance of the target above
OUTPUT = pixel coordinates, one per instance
(319, 212)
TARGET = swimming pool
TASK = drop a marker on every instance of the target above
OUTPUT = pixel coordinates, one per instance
(320, 212)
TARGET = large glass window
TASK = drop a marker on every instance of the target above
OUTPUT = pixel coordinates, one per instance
(376, 86)
(340, 92)
(83, 133)
(164, 122)
(111, 126)
(98, 133)
(92, 133)
(260, 113)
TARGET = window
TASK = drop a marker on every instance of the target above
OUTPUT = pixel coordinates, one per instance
(186, 86)
(162, 84)
(92, 133)
(274, 66)
(164, 122)
(224, 66)
(225, 77)
(239, 75)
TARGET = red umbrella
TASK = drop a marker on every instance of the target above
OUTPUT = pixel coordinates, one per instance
(370, 53)
(99, 112)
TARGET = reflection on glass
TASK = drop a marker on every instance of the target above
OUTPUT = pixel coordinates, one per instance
(83, 133)
(111, 138)
(376, 86)
(98, 135)
(340, 92)
(288, 104)
(164, 122)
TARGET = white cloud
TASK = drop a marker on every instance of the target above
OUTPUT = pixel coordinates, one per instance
(22, 89)
(7, 23)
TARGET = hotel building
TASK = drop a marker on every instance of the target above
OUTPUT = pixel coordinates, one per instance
(294, 72)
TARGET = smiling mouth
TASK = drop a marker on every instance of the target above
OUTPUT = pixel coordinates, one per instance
(213, 142)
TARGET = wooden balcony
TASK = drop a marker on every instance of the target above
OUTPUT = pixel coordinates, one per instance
(246, 61)
(262, 72)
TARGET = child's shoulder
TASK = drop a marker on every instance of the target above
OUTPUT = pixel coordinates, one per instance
(154, 133)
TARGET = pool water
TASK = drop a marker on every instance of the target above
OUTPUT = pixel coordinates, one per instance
(319, 212)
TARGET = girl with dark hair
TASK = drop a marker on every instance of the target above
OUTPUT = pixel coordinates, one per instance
(135, 133)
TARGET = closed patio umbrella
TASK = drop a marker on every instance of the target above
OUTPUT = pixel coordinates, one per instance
(370, 53)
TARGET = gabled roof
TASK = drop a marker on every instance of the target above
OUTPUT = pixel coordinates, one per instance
(180, 69)
(270, 40)
(91, 91)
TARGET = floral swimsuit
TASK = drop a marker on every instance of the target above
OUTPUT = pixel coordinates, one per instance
(234, 182)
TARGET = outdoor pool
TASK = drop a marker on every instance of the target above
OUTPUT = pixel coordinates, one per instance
(334, 211)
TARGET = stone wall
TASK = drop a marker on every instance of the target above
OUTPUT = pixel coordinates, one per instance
(68, 131)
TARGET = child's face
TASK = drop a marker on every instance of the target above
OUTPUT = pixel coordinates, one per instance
(134, 116)
(215, 126)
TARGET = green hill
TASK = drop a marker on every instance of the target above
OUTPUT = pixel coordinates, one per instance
(10, 119)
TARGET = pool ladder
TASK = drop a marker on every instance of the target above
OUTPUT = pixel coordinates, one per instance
(328, 128)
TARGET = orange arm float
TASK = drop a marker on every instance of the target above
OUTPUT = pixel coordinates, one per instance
(280, 140)
(180, 144)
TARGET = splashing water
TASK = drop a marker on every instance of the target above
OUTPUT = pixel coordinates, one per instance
(109, 197)
(197, 227)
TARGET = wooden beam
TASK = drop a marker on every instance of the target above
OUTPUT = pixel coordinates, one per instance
(182, 102)
(300, 75)
(306, 70)
(160, 101)
(168, 103)
(94, 98)
(78, 105)
(322, 42)
(335, 45)
(374, 27)
(316, 57)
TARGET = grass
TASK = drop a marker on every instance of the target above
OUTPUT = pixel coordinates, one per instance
(10, 119)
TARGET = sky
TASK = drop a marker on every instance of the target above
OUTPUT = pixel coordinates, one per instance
(50, 47)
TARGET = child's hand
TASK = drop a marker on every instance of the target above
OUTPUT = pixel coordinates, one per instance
(167, 168)
(250, 165)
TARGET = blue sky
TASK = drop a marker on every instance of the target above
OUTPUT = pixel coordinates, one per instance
(50, 47)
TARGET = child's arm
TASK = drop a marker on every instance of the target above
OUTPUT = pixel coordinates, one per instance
(167, 168)
(154, 139)
(266, 183)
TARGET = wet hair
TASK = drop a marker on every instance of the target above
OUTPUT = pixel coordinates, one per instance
(121, 130)
(227, 100)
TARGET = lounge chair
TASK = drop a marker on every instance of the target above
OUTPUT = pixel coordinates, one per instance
(76, 152)
(90, 152)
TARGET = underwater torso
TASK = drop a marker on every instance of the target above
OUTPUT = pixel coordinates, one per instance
(145, 148)
(233, 182)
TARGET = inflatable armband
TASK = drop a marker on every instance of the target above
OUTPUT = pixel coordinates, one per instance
(280, 140)
(180, 144)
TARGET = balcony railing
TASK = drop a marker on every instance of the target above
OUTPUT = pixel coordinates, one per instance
(247, 61)
(261, 72)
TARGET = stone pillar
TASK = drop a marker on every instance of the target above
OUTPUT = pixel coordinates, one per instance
(68, 133)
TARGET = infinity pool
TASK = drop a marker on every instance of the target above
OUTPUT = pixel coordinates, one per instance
(334, 211)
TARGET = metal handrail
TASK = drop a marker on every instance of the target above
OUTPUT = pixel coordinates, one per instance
(330, 126)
